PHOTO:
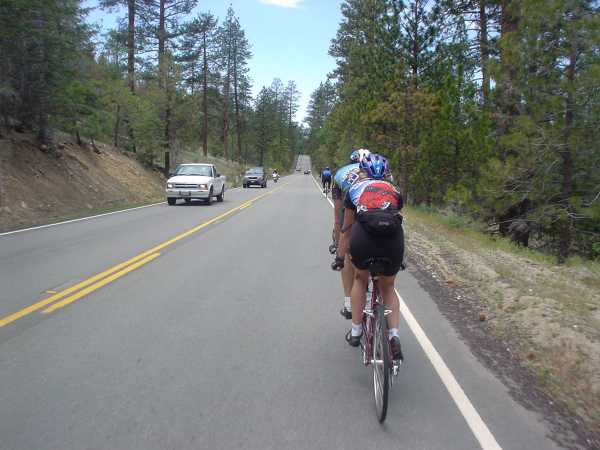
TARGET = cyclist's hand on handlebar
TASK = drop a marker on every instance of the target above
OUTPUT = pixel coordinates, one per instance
(337, 264)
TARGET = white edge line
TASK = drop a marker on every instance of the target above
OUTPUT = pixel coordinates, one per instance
(476, 424)
(88, 217)
(79, 220)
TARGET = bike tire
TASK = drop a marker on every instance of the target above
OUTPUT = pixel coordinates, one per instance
(381, 364)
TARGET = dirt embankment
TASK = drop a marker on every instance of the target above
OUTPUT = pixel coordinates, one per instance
(535, 323)
(38, 187)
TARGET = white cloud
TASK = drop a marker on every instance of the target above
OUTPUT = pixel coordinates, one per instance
(283, 3)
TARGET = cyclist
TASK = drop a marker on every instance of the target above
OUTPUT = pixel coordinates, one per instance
(326, 179)
(344, 178)
(373, 228)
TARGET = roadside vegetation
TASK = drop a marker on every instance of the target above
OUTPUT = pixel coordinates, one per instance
(163, 80)
(490, 107)
(549, 313)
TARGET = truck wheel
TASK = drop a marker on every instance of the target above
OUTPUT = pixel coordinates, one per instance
(171, 200)
(210, 196)
(221, 196)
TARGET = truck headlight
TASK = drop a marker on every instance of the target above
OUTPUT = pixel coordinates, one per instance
(202, 186)
(169, 185)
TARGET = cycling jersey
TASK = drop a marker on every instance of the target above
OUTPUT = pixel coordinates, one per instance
(326, 174)
(345, 177)
(369, 194)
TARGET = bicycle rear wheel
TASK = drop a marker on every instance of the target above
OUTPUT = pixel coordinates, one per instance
(381, 364)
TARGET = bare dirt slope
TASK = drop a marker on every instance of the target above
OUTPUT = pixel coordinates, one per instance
(38, 187)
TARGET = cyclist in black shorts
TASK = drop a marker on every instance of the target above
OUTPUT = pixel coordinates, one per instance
(373, 228)
(326, 179)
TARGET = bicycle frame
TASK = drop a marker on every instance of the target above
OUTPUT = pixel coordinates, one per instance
(370, 311)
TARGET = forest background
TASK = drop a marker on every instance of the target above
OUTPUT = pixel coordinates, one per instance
(167, 79)
(487, 108)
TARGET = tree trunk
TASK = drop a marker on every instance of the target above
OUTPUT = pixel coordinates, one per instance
(117, 126)
(162, 76)
(161, 45)
(566, 155)
(226, 105)
(237, 105)
(205, 98)
(508, 95)
(41, 89)
(485, 53)
(131, 45)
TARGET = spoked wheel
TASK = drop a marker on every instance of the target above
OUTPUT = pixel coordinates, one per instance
(381, 364)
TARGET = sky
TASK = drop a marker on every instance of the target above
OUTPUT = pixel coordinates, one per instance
(289, 38)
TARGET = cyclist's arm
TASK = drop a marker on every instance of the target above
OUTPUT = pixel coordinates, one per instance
(338, 208)
(345, 233)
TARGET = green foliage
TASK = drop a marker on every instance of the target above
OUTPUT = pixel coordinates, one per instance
(518, 147)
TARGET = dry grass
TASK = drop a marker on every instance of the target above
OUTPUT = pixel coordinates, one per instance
(553, 311)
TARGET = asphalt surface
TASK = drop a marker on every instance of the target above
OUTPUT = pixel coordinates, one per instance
(229, 338)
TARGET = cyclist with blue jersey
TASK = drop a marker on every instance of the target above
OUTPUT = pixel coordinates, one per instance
(326, 179)
(344, 178)
(373, 229)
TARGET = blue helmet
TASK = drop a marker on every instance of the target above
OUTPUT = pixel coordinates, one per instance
(358, 155)
(375, 166)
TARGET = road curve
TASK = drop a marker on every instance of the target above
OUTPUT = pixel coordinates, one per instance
(226, 335)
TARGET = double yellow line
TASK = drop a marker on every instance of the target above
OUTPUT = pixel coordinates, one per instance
(95, 282)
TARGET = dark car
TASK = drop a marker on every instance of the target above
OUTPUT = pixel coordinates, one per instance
(255, 177)
(307, 171)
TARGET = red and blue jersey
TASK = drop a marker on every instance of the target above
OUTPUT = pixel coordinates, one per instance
(367, 195)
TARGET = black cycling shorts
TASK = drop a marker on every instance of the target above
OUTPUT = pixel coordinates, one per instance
(364, 246)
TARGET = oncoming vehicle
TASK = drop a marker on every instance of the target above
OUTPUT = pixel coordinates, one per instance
(306, 171)
(255, 176)
(195, 181)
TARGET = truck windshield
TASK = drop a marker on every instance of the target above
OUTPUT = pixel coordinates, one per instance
(204, 171)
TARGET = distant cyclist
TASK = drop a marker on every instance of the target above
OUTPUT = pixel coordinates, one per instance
(344, 178)
(326, 179)
(373, 228)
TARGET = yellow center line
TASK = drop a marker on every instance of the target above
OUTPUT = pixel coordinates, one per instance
(83, 284)
(93, 287)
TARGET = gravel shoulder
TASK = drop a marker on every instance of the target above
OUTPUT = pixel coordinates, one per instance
(536, 324)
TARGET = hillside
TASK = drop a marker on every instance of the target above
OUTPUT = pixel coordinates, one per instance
(37, 187)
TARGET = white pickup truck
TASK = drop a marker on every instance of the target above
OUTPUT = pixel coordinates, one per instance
(195, 181)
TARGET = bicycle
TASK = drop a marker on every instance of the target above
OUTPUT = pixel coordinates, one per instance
(375, 341)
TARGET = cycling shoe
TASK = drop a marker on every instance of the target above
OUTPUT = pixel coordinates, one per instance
(345, 313)
(354, 341)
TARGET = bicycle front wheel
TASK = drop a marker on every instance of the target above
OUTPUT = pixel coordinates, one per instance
(381, 364)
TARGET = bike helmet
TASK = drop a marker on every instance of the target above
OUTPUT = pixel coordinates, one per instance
(358, 155)
(375, 166)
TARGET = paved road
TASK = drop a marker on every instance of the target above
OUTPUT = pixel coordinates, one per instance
(226, 337)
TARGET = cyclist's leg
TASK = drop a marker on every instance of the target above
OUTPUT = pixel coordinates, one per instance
(358, 295)
(360, 252)
(390, 299)
(347, 273)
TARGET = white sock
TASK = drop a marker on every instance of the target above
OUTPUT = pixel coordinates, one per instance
(347, 303)
(356, 329)
(393, 332)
